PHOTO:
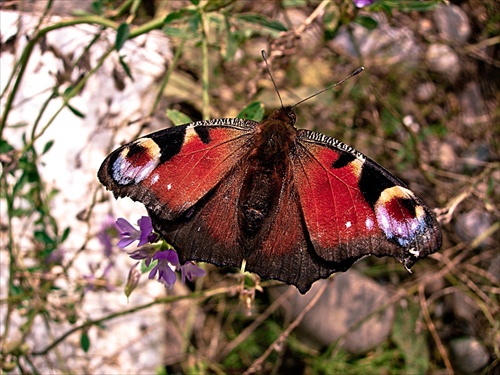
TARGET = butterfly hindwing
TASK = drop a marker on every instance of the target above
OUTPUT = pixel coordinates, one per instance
(353, 207)
(170, 170)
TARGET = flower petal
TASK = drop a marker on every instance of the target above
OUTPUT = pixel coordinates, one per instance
(124, 242)
(167, 276)
(363, 3)
(125, 226)
(168, 255)
(146, 227)
(190, 270)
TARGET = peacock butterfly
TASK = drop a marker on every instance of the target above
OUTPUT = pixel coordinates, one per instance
(296, 205)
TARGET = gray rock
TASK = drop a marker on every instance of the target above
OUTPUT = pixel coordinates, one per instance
(351, 298)
(425, 92)
(447, 157)
(475, 157)
(60, 8)
(474, 110)
(452, 24)
(385, 45)
(468, 355)
(472, 224)
(442, 59)
(463, 306)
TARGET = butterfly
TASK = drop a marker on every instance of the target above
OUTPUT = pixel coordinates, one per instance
(295, 205)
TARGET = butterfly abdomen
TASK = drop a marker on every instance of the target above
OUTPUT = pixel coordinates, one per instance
(267, 167)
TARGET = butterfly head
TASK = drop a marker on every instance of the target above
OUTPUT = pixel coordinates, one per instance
(284, 114)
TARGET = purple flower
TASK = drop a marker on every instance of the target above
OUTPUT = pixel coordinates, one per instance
(130, 234)
(190, 270)
(168, 261)
(108, 231)
(167, 264)
(55, 257)
(363, 3)
(145, 252)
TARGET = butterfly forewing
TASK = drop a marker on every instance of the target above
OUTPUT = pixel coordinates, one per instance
(170, 170)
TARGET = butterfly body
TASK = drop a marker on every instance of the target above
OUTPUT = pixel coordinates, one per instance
(295, 204)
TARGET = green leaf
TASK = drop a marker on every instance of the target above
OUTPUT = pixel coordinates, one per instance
(195, 2)
(5, 146)
(43, 237)
(65, 234)
(405, 6)
(145, 268)
(67, 91)
(75, 111)
(381, 6)
(293, 3)
(47, 146)
(85, 341)
(231, 44)
(262, 21)
(126, 67)
(410, 340)
(171, 17)
(254, 111)
(18, 125)
(97, 6)
(178, 118)
(122, 35)
(176, 32)
(194, 22)
(367, 22)
(214, 5)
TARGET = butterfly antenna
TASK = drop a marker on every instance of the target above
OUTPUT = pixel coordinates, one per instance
(270, 75)
(356, 72)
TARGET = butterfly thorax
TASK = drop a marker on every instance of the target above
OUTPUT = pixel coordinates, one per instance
(268, 165)
(275, 136)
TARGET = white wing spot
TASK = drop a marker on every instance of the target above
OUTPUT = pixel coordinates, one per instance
(169, 187)
(414, 252)
(155, 178)
(369, 224)
(348, 224)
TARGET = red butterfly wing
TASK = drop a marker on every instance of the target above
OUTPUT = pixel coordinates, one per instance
(353, 207)
(170, 170)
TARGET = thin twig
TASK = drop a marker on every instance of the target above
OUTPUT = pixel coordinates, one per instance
(277, 344)
(96, 322)
(432, 329)
(257, 322)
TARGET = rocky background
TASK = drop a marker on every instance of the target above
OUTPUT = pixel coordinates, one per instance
(426, 108)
